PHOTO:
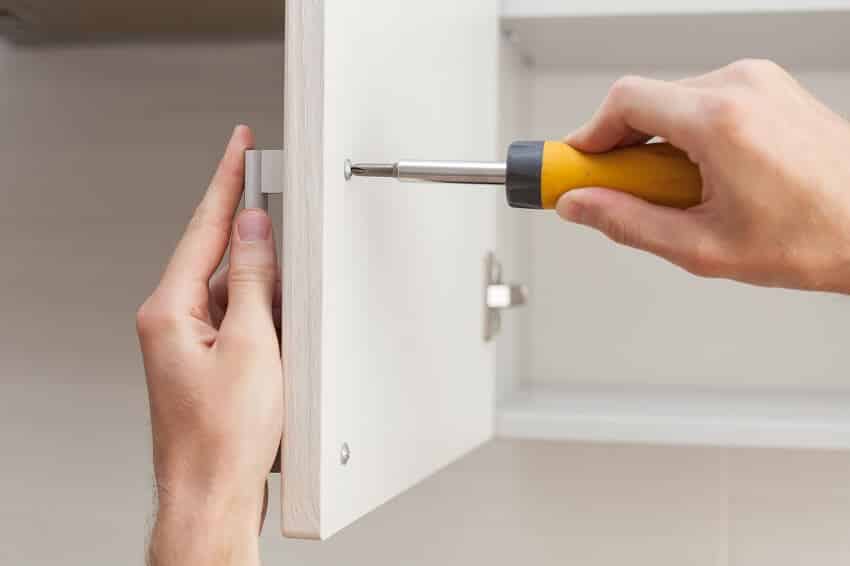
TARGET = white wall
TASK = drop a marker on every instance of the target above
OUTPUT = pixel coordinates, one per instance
(605, 314)
(104, 154)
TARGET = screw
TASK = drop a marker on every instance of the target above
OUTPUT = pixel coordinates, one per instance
(344, 454)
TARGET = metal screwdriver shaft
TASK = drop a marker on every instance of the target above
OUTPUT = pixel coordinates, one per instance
(466, 172)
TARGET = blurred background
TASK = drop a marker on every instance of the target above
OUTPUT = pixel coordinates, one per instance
(112, 119)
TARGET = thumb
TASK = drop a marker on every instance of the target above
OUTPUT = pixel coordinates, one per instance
(253, 271)
(666, 232)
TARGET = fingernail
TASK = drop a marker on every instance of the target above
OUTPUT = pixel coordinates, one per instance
(571, 209)
(253, 225)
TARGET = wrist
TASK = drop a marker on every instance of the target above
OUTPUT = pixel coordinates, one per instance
(180, 487)
(205, 527)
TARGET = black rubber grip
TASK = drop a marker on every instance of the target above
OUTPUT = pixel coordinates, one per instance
(522, 175)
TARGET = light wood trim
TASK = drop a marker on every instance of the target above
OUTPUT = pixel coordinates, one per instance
(302, 266)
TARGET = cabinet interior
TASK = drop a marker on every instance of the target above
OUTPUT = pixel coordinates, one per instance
(616, 345)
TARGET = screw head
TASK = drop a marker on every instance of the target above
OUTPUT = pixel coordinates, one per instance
(344, 454)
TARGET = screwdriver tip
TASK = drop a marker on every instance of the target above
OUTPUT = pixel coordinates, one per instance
(372, 170)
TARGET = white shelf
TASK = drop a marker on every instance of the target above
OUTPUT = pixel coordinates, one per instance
(678, 415)
(602, 36)
(549, 8)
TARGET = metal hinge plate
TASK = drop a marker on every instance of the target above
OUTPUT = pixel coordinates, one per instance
(498, 296)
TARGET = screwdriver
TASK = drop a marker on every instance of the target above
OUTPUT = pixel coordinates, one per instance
(537, 173)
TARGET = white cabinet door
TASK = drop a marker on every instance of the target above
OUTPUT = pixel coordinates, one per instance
(382, 337)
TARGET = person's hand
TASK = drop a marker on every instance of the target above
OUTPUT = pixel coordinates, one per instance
(213, 367)
(775, 164)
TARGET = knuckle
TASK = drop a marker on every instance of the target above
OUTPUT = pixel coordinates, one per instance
(252, 274)
(623, 88)
(705, 260)
(144, 316)
(152, 319)
(755, 70)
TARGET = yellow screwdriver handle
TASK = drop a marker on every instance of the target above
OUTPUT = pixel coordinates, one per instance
(656, 172)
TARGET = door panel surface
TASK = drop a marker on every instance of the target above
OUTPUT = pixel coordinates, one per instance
(383, 282)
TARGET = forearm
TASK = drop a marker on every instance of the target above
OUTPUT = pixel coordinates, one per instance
(206, 531)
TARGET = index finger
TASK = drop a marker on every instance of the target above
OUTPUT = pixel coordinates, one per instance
(635, 110)
(203, 244)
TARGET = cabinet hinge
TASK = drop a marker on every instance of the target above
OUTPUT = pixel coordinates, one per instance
(498, 296)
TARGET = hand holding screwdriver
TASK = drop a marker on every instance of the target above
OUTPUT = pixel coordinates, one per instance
(774, 164)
